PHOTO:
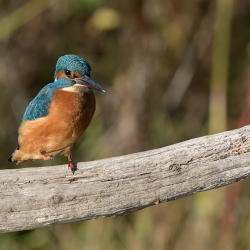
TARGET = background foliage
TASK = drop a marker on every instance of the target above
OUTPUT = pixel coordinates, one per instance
(172, 70)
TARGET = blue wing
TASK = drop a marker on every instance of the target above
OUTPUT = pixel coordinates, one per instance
(39, 106)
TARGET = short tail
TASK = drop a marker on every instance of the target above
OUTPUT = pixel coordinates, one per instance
(10, 158)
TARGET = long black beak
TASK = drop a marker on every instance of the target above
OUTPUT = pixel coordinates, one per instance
(88, 82)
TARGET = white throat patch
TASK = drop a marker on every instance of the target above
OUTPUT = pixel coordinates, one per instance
(78, 88)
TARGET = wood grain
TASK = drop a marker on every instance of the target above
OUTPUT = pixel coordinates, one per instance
(38, 197)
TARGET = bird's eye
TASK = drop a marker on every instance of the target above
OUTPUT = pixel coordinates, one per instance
(67, 72)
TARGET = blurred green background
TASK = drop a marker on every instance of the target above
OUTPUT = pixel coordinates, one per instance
(172, 70)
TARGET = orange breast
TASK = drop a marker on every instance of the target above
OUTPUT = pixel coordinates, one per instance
(69, 115)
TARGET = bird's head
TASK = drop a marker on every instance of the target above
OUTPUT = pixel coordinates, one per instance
(77, 70)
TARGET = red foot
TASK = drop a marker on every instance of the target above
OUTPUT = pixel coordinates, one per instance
(72, 166)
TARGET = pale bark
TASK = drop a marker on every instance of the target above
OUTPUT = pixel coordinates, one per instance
(43, 196)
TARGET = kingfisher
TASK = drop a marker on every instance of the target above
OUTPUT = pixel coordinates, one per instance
(59, 114)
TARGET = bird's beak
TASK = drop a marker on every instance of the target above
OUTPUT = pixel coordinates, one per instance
(88, 82)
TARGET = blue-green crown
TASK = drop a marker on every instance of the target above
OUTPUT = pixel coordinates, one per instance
(73, 63)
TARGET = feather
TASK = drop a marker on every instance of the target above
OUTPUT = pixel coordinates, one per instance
(39, 106)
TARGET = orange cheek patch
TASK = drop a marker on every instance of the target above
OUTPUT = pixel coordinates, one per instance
(76, 74)
(60, 74)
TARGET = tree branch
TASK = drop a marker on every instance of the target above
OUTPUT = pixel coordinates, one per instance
(38, 197)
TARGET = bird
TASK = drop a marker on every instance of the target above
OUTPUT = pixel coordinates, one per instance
(59, 114)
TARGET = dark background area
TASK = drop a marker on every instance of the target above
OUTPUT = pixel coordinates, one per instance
(172, 70)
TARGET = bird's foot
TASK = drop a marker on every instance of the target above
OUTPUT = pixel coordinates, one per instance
(72, 166)
(44, 156)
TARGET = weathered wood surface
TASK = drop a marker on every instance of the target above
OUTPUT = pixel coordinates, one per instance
(37, 197)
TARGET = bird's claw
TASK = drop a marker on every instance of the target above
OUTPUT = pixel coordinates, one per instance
(72, 166)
